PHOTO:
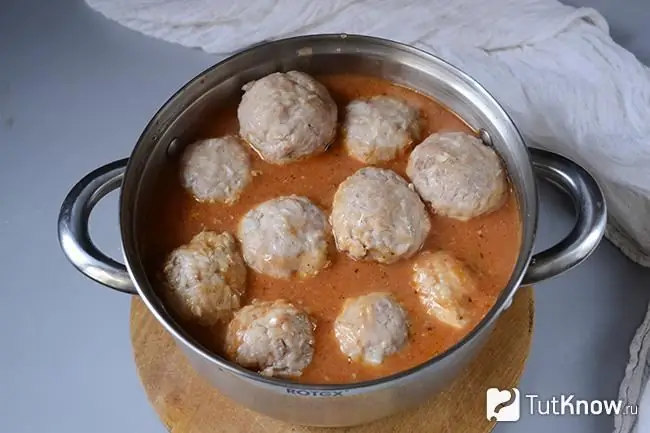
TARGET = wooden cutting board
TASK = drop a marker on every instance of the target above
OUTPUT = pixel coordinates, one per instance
(188, 404)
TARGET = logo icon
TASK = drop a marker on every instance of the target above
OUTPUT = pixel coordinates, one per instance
(502, 405)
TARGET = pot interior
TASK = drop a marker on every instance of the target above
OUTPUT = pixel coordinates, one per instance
(174, 125)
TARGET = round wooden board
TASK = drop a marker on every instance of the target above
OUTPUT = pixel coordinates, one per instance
(188, 404)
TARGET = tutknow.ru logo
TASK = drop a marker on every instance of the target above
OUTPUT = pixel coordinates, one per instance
(505, 405)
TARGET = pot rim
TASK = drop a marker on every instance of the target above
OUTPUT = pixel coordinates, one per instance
(137, 274)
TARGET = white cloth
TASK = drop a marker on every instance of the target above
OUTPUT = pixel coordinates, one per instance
(554, 68)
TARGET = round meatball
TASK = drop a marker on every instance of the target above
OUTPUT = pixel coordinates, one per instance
(371, 327)
(216, 169)
(285, 236)
(377, 216)
(445, 286)
(458, 175)
(380, 129)
(286, 117)
(205, 278)
(275, 338)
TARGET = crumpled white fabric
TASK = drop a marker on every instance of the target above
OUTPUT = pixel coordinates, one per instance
(567, 85)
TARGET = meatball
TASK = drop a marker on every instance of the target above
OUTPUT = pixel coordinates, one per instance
(205, 278)
(216, 169)
(371, 327)
(286, 117)
(285, 236)
(377, 216)
(275, 338)
(458, 175)
(445, 286)
(380, 129)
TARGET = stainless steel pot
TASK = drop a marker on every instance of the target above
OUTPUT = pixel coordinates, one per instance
(330, 405)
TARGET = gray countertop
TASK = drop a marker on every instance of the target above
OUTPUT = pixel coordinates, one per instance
(75, 92)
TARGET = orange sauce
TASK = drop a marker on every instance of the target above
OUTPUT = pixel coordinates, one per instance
(489, 244)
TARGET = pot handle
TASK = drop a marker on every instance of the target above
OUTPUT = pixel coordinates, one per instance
(73, 228)
(591, 220)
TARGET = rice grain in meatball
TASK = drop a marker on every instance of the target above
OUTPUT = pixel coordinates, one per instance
(445, 286)
(371, 327)
(287, 117)
(205, 278)
(458, 175)
(380, 129)
(216, 169)
(285, 236)
(274, 338)
(377, 216)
